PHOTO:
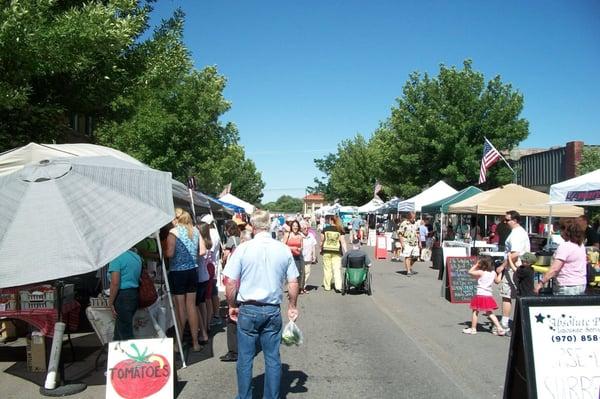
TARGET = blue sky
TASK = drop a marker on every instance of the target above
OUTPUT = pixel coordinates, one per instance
(305, 75)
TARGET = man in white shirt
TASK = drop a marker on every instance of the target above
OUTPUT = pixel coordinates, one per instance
(517, 244)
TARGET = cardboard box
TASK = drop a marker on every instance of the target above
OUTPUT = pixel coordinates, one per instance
(36, 352)
(8, 330)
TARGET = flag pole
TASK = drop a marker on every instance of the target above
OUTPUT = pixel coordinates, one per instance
(505, 161)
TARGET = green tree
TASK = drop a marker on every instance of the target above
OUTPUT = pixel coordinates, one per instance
(351, 171)
(437, 130)
(323, 185)
(285, 204)
(590, 160)
(63, 57)
(169, 119)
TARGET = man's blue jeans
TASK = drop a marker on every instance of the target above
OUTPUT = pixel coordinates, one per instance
(259, 324)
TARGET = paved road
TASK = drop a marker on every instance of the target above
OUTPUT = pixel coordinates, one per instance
(402, 342)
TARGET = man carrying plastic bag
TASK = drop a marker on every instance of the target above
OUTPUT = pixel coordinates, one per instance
(262, 266)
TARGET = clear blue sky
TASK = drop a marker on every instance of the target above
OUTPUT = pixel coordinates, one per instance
(304, 75)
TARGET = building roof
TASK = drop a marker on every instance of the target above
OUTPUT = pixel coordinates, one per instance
(314, 197)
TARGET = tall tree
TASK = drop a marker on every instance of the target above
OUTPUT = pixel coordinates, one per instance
(59, 58)
(285, 204)
(352, 177)
(170, 119)
(437, 130)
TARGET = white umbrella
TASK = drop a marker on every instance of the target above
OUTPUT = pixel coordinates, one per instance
(69, 216)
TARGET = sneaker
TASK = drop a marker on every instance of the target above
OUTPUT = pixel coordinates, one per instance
(408, 274)
(229, 357)
(469, 331)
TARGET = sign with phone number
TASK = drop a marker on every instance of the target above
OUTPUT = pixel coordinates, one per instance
(566, 350)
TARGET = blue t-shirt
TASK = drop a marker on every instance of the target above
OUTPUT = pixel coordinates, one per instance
(129, 265)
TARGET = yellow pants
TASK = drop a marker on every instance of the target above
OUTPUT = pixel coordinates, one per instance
(332, 269)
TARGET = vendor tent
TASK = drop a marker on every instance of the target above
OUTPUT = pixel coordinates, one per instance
(370, 206)
(513, 197)
(436, 192)
(15, 159)
(581, 190)
(232, 199)
(441, 206)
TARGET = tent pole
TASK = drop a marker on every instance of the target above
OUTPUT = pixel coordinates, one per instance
(192, 204)
(164, 272)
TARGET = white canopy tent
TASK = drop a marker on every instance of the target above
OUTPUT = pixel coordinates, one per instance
(328, 210)
(434, 193)
(581, 190)
(371, 206)
(232, 199)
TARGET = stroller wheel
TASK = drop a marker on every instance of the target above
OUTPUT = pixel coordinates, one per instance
(369, 284)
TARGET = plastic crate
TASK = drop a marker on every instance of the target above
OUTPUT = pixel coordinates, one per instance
(99, 302)
(45, 293)
(37, 305)
(9, 301)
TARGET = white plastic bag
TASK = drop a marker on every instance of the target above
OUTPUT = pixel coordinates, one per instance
(291, 335)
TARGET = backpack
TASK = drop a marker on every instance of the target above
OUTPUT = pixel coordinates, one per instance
(332, 241)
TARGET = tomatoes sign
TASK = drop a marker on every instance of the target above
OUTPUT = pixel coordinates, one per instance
(141, 368)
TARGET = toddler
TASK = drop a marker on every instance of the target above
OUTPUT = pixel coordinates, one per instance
(483, 301)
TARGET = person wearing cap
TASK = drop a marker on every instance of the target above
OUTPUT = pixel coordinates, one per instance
(523, 274)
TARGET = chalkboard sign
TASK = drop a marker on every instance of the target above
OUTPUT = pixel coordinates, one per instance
(461, 285)
(555, 348)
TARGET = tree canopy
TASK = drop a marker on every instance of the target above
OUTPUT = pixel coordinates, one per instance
(285, 204)
(435, 132)
(95, 58)
(590, 160)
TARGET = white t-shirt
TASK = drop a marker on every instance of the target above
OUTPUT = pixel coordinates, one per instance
(518, 241)
(484, 283)
(216, 247)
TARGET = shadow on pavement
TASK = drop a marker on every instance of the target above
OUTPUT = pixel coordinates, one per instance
(292, 381)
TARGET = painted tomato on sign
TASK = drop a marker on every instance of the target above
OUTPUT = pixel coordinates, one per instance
(141, 374)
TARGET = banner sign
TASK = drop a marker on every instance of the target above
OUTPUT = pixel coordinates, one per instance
(140, 368)
(579, 196)
(555, 348)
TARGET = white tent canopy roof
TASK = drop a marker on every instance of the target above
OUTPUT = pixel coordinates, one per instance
(434, 193)
(232, 199)
(580, 190)
(370, 206)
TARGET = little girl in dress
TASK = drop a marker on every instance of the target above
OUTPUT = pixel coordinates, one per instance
(483, 301)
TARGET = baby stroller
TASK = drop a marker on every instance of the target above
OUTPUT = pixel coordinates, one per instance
(357, 276)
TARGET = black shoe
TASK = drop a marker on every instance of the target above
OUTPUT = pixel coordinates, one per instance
(229, 357)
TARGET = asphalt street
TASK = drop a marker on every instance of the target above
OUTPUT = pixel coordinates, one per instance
(404, 341)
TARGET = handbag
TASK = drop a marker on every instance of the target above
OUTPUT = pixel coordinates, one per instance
(426, 254)
(147, 294)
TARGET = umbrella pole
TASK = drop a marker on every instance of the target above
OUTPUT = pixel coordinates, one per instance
(164, 272)
(192, 204)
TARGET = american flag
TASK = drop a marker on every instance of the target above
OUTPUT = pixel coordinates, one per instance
(490, 157)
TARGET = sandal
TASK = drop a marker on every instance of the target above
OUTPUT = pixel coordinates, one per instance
(469, 330)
